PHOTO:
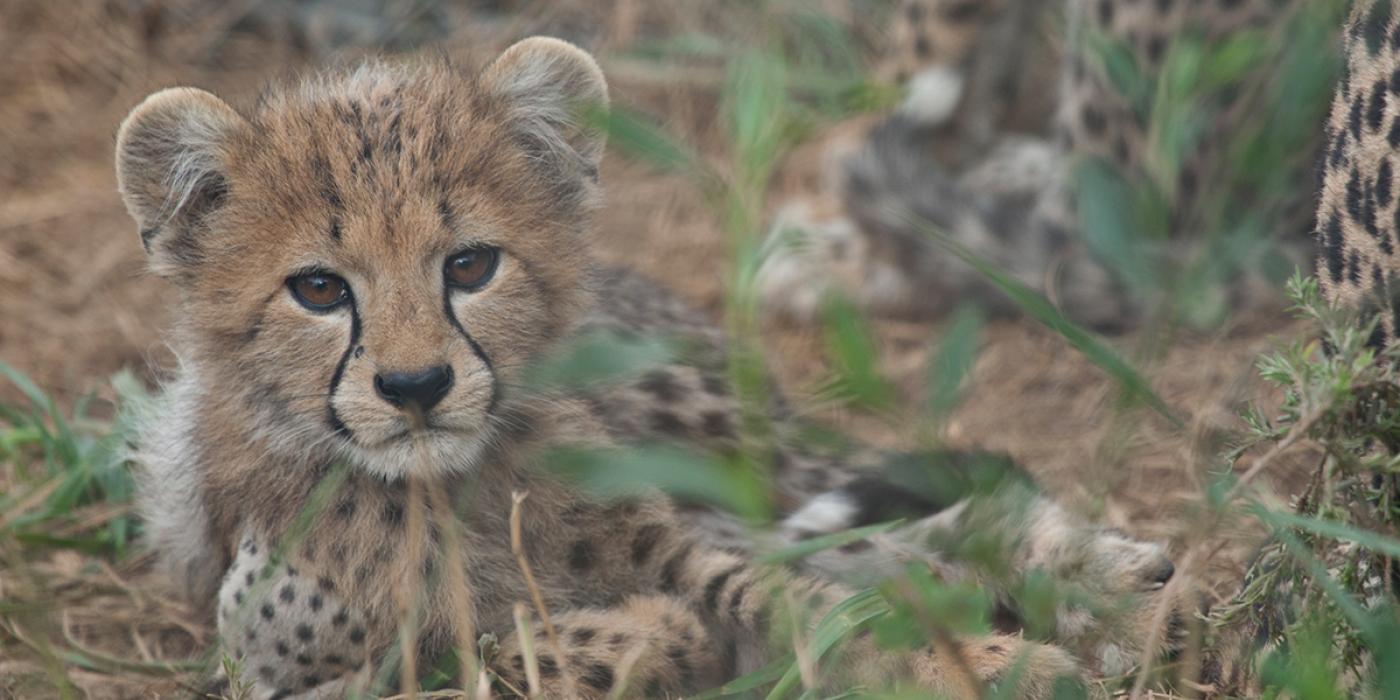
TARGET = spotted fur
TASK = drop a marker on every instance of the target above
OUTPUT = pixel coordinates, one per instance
(310, 511)
(1357, 224)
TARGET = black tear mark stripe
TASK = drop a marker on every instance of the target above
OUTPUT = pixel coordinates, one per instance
(338, 425)
(476, 349)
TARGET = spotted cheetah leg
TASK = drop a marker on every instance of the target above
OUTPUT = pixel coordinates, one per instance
(751, 607)
(647, 647)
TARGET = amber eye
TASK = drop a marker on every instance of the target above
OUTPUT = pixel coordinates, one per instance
(319, 291)
(471, 269)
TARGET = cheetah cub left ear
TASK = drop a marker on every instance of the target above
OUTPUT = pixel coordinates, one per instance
(549, 86)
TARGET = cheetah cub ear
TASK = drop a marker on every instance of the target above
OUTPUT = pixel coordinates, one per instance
(172, 156)
(549, 85)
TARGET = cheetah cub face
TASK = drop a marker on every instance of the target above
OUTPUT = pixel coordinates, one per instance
(365, 262)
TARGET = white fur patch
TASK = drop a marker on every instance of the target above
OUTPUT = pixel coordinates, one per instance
(934, 94)
(829, 512)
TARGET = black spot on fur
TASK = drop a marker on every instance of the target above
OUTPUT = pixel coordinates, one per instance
(961, 12)
(267, 612)
(548, 667)
(583, 635)
(716, 584)
(1106, 8)
(316, 602)
(670, 571)
(340, 617)
(1375, 113)
(330, 191)
(1333, 245)
(303, 659)
(1156, 48)
(922, 47)
(1353, 194)
(304, 632)
(667, 423)
(716, 425)
(598, 677)
(736, 600)
(1384, 179)
(281, 648)
(714, 385)
(357, 635)
(1094, 121)
(677, 654)
(644, 542)
(581, 556)
(288, 594)
(662, 385)
(446, 215)
(1373, 28)
(392, 514)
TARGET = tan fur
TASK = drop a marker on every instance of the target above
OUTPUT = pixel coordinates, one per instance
(300, 475)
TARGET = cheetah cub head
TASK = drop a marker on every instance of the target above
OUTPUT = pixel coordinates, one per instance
(365, 260)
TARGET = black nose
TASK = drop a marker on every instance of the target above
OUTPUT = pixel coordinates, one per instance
(422, 389)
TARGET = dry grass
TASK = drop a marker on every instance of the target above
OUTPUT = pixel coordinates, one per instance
(76, 307)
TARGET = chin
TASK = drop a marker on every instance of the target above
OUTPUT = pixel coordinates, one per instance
(431, 452)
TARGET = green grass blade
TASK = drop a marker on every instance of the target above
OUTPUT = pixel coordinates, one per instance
(811, 546)
(1039, 308)
(1373, 541)
(952, 361)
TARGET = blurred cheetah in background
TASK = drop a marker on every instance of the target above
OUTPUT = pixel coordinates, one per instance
(1001, 109)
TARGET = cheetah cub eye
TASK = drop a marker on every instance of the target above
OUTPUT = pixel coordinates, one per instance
(319, 291)
(471, 269)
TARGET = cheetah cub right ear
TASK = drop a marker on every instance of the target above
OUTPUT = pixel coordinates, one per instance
(172, 156)
(549, 86)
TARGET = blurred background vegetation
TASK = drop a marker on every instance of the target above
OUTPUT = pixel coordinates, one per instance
(722, 112)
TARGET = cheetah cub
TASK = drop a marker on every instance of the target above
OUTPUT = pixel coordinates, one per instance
(367, 263)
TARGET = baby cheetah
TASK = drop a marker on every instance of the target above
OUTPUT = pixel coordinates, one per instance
(367, 263)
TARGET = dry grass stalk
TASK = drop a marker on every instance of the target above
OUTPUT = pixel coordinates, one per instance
(517, 546)
(458, 589)
(624, 670)
(1197, 556)
(527, 649)
(412, 590)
